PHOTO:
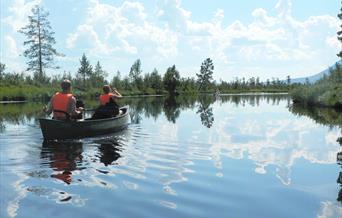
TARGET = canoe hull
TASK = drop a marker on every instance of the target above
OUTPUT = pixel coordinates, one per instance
(57, 129)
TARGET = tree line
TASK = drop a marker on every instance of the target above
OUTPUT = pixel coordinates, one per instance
(40, 54)
(90, 79)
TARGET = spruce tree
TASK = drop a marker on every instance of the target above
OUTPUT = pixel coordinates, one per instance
(135, 74)
(156, 80)
(2, 70)
(98, 76)
(40, 40)
(116, 81)
(288, 79)
(85, 70)
(206, 74)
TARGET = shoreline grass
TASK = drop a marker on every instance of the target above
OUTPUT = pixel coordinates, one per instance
(36, 93)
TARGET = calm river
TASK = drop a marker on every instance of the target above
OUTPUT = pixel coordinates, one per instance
(233, 156)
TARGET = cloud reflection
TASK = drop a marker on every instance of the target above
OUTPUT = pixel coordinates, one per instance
(273, 141)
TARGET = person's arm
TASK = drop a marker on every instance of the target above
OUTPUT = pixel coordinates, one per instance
(48, 108)
(117, 94)
(72, 111)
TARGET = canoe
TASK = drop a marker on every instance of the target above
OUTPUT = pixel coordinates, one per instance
(59, 129)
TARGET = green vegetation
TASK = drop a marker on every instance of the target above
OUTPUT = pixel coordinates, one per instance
(88, 82)
(325, 92)
(206, 74)
(171, 80)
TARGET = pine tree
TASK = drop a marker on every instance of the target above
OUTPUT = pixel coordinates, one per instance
(98, 76)
(156, 80)
(85, 70)
(2, 68)
(171, 80)
(288, 80)
(339, 33)
(40, 40)
(116, 81)
(206, 74)
(135, 74)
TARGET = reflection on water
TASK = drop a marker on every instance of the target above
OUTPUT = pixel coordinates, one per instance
(171, 109)
(206, 156)
(63, 157)
(19, 114)
(329, 117)
(22, 113)
(109, 151)
(325, 116)
(205, 111)
(339, 178)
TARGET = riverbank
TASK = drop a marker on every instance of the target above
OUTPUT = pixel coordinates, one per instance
(326, 92)
(40, 93)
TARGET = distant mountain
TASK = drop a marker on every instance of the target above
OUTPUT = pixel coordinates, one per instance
(314, 78)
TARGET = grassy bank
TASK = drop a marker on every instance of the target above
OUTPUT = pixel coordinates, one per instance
(39, 93)
(326, 92)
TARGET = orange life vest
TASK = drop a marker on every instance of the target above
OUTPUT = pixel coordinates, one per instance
(60, 102)
(104, 98)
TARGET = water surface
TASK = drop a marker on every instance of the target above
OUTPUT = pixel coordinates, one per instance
(234, 156)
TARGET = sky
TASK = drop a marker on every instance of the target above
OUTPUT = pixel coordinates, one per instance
(259, 38)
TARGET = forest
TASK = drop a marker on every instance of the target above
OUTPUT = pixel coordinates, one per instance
(88, 79)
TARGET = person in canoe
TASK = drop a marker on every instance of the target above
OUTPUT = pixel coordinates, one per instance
(109, 97)
(108, 105)
(63, 104)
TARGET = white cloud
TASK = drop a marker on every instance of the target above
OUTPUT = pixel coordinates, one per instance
(19, 10)
(333, 42)
(330, 210)
(122, 29)
(88, 32)
(170, 35)
(262, 18)
(11, 47)
(281, 37)
(284, 8)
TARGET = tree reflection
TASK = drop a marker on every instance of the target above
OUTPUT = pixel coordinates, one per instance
(339, 178)
(205, 111)
(325, 116)
(2, 126)
(63, 157)
(171, 109)
(109, 151)
(147, 106)
(19, 114)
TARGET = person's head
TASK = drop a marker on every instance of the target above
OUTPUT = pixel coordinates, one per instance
(106, 89)
(66, 85)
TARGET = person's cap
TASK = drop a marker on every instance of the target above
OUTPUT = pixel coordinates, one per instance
(66, 84)
(106, 88)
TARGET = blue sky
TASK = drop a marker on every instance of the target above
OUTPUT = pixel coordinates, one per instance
(260, 38)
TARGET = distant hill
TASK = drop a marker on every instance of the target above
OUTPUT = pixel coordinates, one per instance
(314, 78)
